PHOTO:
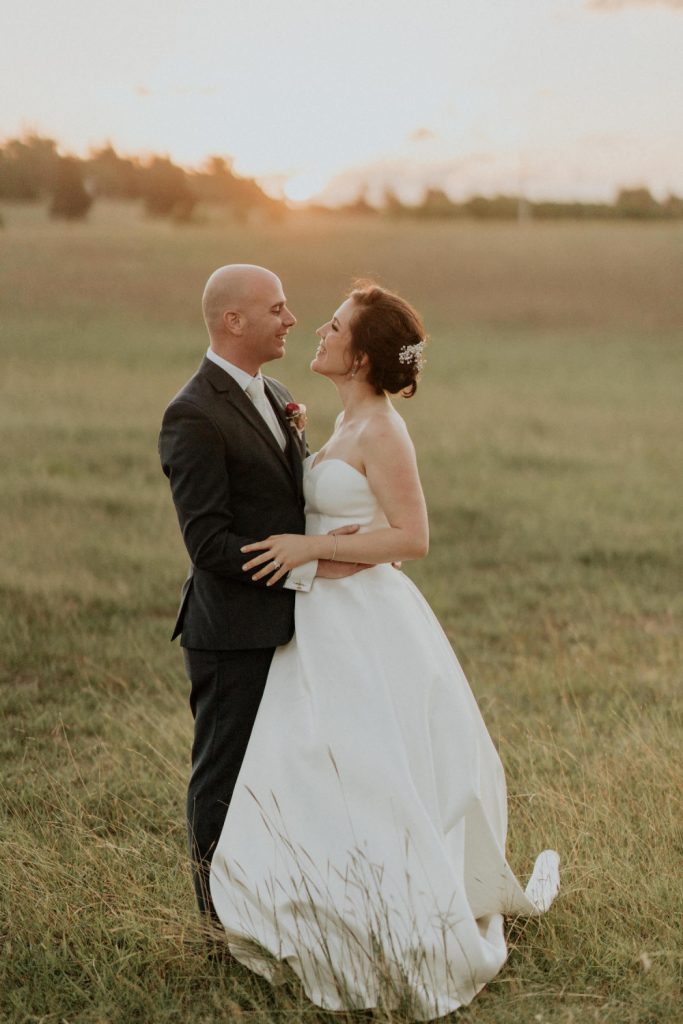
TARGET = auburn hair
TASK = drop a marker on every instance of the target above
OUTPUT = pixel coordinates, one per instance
(382, 324)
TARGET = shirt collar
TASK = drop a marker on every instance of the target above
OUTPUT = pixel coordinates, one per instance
(240, 376)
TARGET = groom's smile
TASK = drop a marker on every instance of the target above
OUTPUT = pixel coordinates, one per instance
(268, 312)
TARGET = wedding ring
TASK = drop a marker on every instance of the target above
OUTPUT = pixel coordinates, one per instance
(276, 565)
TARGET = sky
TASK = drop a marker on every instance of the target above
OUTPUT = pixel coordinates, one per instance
(550, 98)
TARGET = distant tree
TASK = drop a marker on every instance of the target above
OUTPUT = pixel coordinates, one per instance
(637, 202)
(548, 210)
(28, 167)
(70, 199)
(166, 191)
(392, 205)
(673, 206)
(360, 206)
(112, 175)
(436, 203)
(12, 185)
(498, 208)
(216, 182)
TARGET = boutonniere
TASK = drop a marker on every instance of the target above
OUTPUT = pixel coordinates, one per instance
(296, 416)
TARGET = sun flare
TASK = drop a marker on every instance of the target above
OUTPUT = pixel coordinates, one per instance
(301, 188)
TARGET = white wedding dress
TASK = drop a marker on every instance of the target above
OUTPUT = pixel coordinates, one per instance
(364, 845)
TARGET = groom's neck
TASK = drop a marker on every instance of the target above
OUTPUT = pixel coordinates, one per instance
(239, 358)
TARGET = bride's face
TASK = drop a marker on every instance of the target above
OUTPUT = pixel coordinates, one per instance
(333, 356)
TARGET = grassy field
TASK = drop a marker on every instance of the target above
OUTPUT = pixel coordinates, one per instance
(548, 429)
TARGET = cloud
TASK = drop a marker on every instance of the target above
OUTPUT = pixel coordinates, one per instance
(459, 176)
(422, 135)
(619, 5)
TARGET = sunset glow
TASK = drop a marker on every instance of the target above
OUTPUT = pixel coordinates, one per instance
(549, 97)
(302, 187)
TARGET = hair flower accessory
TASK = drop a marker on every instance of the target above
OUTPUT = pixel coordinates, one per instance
(295, 413)
(413, 354)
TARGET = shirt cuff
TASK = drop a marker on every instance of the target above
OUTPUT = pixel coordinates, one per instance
(302, 577)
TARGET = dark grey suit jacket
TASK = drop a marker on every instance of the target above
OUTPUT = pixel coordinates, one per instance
(231, 485)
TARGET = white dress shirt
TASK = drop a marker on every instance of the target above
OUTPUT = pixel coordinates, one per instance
(302, 577)
(257, 392)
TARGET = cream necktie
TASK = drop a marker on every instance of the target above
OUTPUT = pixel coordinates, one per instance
(257, 393)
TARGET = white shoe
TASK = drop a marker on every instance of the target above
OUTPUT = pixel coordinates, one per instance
(544, 883)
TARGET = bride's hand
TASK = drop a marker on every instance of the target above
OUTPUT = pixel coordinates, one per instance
(336, 570)
(279, 554)
(283, 552)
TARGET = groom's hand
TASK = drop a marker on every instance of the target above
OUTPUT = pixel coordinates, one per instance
(328, 570)
(333, 570)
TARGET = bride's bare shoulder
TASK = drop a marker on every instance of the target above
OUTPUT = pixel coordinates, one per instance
(385, 431)
(383, 422)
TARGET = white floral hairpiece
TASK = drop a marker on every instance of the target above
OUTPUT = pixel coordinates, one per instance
(413, 354)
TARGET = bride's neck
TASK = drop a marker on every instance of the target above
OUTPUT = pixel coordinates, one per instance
(358, 397)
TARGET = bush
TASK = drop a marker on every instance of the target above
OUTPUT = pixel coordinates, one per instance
(637, 203)
(70, 199)
(28, 167)
(166, 191)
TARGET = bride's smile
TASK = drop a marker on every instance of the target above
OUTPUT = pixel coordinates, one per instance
(333, 356)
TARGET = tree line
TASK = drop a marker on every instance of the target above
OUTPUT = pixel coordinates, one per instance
(32, 169)
(633, 203)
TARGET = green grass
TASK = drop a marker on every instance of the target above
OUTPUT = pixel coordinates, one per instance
(548, 430)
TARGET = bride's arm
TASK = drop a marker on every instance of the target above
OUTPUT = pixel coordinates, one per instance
(391, 468)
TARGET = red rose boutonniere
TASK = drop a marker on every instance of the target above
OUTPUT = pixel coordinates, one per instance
(296, 416)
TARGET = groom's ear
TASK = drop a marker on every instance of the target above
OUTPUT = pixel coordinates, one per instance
(233, 322)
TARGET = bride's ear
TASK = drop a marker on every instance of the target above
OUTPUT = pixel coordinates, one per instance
(360, 362)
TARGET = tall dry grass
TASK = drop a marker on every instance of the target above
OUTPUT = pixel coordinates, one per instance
(548, 432)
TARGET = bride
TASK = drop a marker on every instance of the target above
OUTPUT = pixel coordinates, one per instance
(364, 845)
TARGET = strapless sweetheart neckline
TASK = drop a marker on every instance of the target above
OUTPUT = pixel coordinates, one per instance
(316, 465)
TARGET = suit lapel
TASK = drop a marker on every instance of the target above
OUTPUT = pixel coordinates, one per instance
(223, 382)
(294, 449)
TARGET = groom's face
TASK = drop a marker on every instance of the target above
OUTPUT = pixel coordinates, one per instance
(267, 320)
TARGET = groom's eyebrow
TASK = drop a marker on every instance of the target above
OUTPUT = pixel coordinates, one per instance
(335, 321)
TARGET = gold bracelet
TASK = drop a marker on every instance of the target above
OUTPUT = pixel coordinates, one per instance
(334, 550)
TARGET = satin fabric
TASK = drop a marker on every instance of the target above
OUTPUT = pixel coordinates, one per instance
(364, 846)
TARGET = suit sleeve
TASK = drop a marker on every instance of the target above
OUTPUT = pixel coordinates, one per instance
(192, 455)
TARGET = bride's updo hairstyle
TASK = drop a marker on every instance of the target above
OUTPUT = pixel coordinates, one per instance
(390, 332)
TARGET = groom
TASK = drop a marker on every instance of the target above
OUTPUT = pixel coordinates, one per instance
(235, 469)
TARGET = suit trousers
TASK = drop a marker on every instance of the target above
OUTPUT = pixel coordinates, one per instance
(226, 690)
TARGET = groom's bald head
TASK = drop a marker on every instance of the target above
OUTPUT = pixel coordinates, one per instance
(246, 315)
(234, 288)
